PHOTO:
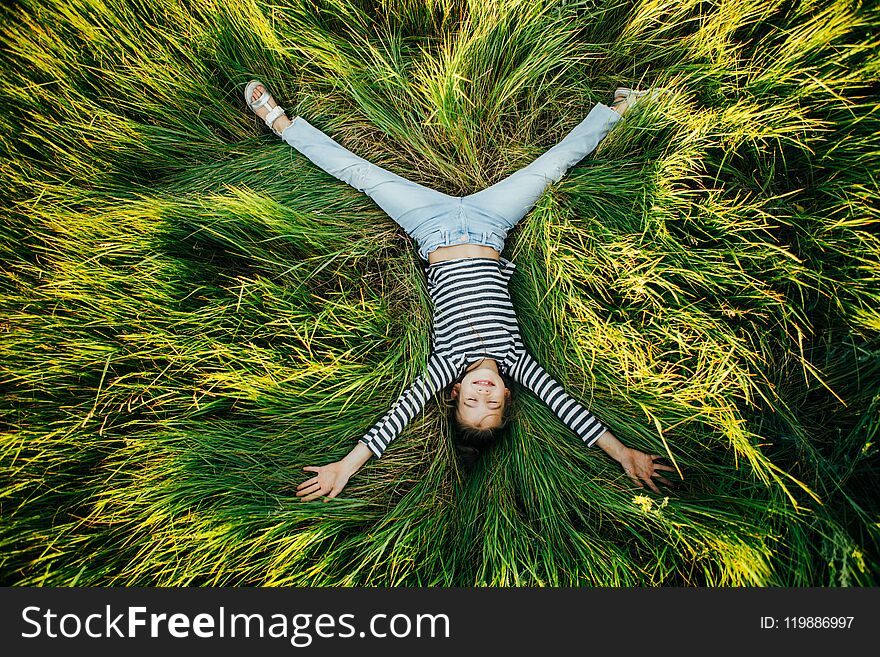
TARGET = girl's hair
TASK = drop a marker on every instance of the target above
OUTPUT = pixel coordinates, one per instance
(470, 443)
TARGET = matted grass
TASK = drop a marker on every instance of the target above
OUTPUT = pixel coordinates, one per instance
(192, 312)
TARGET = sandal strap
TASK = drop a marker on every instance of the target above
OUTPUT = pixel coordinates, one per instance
(273, 115)
(261, 101)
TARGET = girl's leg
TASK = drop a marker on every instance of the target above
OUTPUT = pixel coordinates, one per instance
(411, 205)
(408, 203)
(509, 200)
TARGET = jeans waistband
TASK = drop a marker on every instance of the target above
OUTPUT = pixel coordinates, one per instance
(453, 236)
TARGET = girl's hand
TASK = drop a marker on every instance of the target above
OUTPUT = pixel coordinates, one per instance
(637, 465)
(329, 480)
(640, 467)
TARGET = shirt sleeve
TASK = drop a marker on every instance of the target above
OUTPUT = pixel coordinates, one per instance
(440, 373)
(529, 373)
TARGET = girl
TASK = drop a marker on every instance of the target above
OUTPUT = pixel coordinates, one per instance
(476, 345)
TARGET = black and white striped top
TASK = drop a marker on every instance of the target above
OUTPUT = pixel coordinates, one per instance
(474, 319)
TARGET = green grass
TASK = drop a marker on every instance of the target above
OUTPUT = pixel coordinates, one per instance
(191, 312)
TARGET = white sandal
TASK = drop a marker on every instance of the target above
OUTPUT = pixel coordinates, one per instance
(262, 101)
(631, 96)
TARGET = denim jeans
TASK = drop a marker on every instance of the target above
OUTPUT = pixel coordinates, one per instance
(434, 219)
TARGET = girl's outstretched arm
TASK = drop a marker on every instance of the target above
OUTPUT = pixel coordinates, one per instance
(330, 479)
(639, 467)
(440, 374)
(573, 414)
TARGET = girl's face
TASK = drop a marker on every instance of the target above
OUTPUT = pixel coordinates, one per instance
(481, 397)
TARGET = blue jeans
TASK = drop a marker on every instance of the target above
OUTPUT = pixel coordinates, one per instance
(434, 219)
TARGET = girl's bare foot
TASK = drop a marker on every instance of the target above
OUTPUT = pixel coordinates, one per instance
(265, 109)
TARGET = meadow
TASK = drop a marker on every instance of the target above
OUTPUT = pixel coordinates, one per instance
(190, 312)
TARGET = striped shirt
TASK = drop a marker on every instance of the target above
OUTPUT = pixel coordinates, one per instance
(474, 319)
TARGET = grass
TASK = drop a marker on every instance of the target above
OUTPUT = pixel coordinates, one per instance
(191, 312)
